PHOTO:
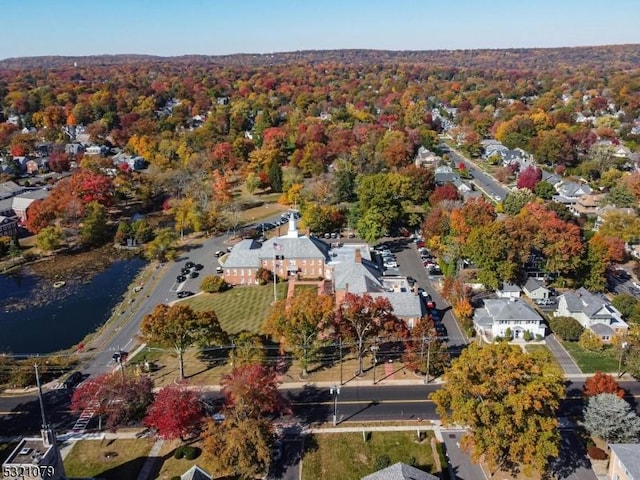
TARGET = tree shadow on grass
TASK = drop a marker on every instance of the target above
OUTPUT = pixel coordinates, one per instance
(128, 470)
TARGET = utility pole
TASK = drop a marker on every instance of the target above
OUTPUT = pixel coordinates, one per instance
(340, 353)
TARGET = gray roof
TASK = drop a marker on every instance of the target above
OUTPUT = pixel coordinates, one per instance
(533, 284)
(405, 304)
(357, 277)
(629, 455)
(582, 300)
(551, 178)
(510, 309)
(509, 287)
(571, 189)
(245, 254)
(9, 189)
(22, 201)
(444, 177)
(195, 473)
(602, 330)
(250, 253)
(400, 471)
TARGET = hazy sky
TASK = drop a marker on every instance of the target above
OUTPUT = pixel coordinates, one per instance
(178, 27)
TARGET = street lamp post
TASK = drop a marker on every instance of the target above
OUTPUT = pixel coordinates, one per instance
(335, 391)
(623, 347)
(374, 351)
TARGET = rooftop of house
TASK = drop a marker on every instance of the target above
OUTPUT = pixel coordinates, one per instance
(405, 304)
(589, 303)
(9, 189)
(629, 456)
(400, 471)
(533, 284)
(510, 287)
(195, 473)
(509, 309)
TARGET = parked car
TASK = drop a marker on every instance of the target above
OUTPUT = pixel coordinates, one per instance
(181, 278)
(219, 253)
(219, 270)
(193, 274)
(544, 301)
(189, 265)
(411, 281)
(184, 294)
(73, 380)
(198, 266)
(391, 264)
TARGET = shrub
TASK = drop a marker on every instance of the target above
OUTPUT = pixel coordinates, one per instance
(179, 453)
(590, 341)
(382, 461)
(596, 453)
(264, 276)
(191, 453)
(528, 336)
(213, 284)
(539, 337)
(566, 328)
(508, 334)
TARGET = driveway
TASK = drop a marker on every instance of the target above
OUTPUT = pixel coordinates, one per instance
(461, 467)
(562, 356)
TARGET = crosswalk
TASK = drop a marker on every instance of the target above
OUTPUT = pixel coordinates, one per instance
(86, 416)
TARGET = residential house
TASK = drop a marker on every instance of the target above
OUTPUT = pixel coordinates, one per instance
(570, 192)
(21, 203)
(444, 174)
(588, 204)
(407, 305)
(508, 290)
(8, 226)
(196, 473)
(400, 471)
(552, 178)
(134, 163)
(535, 289)
(462, 187)
(95, 150)
(499, 314)
(592, 311)
(516, 156)
(624, 461)
(74, 148)
(426, 158)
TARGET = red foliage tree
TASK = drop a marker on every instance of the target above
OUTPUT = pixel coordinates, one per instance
(90, 186)
(251, 391)
(176, 412)
(121, 400)
(59, 162)
(602, 383)
(529, 177)
(443, 192)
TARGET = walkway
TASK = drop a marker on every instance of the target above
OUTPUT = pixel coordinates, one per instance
(152, 457)
(562, 357)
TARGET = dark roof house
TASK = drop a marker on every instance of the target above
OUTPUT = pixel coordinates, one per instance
(400, 471)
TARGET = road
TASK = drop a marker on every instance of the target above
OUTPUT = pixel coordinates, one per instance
(459, 461)
(162, 288)
(484, 182)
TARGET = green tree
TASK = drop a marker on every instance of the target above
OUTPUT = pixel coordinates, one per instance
(620, 196)
(187, 215)
(142, 231)
(515, 201)
(490, 248)
(612, 419)
(567, 328)
(509, 400)
(251, 183)
(544, 190)
(163, 246)
(179, 327)
(248, 348)
(628, 306)
(275, 176)
(625, 226)
(298, 323)
(49, 238)
(213, 284)
(94, 228)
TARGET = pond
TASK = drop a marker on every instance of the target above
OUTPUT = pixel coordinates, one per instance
(37, 318)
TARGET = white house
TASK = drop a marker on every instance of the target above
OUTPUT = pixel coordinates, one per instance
(499, 314)
(535, 289)
(592, 311)
(508, 290)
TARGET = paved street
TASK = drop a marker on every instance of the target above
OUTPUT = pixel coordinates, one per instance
(462, 468)
(483, 182)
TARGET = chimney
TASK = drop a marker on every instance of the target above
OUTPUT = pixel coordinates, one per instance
(358, 256)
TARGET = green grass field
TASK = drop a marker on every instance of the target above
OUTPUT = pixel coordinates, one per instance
(589, 362)
(241, 308)
(107, 459)
(347, 457)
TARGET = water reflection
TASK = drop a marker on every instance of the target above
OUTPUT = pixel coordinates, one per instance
(37, 318)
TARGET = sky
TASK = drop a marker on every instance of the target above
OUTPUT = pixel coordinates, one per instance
(219, 27)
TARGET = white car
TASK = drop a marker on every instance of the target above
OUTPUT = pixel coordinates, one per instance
(391, 264)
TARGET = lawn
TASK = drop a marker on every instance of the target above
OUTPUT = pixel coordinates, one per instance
(107, 459)
(240, 308)
(348, 457)
(170, 466)
(589, 362)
